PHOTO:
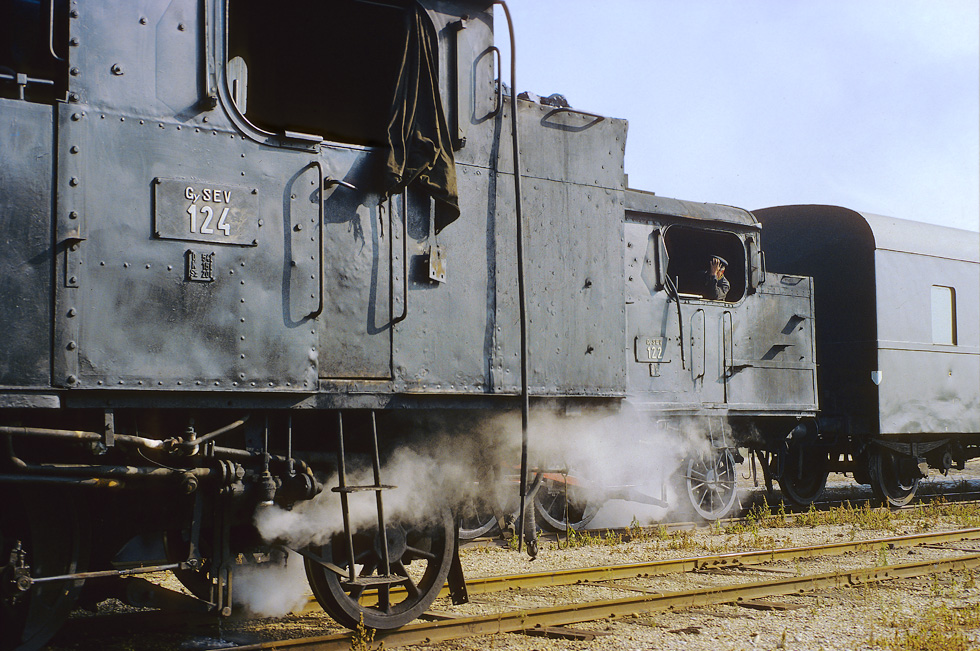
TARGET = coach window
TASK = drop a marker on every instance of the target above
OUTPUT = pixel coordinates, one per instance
(689, 253)
(943, 315)
(324, 68)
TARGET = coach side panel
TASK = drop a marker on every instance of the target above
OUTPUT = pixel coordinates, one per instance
(928, 372)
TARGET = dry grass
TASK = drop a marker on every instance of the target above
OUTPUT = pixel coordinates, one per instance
(941, 628)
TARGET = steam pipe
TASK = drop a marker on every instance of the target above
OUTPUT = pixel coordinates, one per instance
(150, 444)
(76, 435)
(521, 293)
(221, 430)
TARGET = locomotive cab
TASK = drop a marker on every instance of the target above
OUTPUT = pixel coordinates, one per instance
(741, 371)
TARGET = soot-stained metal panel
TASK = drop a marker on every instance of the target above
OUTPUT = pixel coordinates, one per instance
(25, 242)
(174, 314)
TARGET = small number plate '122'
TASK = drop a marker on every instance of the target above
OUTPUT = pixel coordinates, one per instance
(650, 349)
(204, 212)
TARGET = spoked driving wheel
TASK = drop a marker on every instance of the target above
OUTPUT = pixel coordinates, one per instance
(477, 523)
(709, 481)
(558, 503)
(894, 481)
(803, 477)
(419, 558)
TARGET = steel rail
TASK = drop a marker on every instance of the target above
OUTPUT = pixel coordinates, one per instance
(696, 563)
(487, 585)
(526, 620)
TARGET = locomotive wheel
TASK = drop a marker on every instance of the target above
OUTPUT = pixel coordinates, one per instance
(801, 485)
(891, 484)
(709, 481)
(49, 531)
(551, 505)
(476, 523)
(419, 555)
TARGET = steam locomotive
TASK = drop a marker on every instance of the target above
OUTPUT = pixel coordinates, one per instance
(244, 268)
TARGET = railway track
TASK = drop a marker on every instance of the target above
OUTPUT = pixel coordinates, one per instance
(647, 600)
(542, 619)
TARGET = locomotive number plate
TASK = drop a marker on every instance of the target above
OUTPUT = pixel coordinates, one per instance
(204, 212)
(650, 349)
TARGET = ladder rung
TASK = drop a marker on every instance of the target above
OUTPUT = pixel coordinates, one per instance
(369, 581)
(355, 489)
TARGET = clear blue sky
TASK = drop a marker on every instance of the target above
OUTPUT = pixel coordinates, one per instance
(869, 104)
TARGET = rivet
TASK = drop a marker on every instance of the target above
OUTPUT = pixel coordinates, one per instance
(73, 97)
(73, 149)
(142, 20)
(73, 215)
(72, 379)
(180, 26)
(73, 41)
(71, 312)
(72, 280)
(74, 71)
(73, 182)
(71, 345)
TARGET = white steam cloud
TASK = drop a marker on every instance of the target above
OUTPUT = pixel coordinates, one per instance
(271, 589)
(603, 452)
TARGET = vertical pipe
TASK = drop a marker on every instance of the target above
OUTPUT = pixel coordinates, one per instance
(377, 491)
(342, 481)
(522, 296)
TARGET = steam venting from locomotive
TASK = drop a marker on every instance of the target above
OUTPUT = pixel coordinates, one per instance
(616, 459)
(602, 456)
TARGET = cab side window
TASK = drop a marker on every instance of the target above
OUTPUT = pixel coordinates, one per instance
(34, 50)
(689, 254)
(324, 68)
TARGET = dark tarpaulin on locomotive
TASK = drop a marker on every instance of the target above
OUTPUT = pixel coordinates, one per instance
(370, 77)
(420, 148)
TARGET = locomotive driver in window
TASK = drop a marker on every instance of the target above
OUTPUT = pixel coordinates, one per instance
(716, 286)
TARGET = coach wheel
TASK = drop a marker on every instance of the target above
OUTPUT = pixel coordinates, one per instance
(554, 510)
(709, 480)
(41, 531)
(419, 557)
(891, 481)
(802, 480)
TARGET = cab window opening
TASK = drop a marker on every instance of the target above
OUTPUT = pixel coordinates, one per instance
(323, 68)
(33, 50)
(689, 254)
